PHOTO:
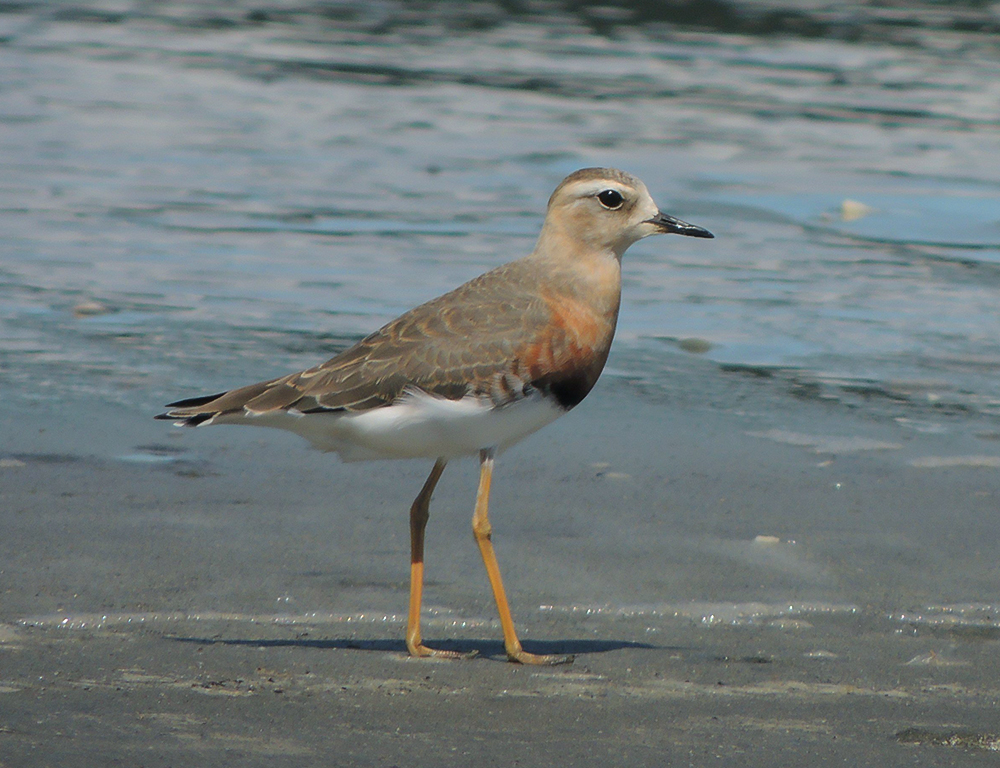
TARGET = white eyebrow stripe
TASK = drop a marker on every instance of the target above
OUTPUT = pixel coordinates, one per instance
(594, 187)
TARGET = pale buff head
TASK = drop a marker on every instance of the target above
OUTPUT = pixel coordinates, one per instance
(604, 210)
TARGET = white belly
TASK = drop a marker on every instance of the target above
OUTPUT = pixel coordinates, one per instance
(418, 426)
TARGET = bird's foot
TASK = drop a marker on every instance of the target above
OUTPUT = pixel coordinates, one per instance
(539, 659)
(421, 651)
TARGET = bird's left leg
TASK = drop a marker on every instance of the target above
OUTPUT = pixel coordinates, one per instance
(419, 514)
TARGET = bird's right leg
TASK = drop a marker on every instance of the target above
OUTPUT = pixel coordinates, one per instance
(419, 513)
(483, 532)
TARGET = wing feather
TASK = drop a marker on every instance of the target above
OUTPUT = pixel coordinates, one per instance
(496, 336)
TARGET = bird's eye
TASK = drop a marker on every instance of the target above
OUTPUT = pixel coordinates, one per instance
(611, 199)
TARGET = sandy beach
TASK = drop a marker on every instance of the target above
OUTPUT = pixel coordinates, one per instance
(181, 597)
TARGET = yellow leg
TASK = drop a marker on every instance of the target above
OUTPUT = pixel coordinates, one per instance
(483, 531)
(419, 513)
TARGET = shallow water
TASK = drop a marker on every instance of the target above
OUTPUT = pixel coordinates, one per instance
(224, 187)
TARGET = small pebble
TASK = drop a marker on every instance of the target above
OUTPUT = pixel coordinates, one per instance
(852, 210)
(91, 308)
(695, 346)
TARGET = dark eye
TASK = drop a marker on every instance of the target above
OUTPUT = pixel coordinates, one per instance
(611, 199)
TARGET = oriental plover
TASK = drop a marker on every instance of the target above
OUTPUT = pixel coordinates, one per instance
(473, 371)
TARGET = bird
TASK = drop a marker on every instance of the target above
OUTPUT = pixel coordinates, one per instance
(473, 371)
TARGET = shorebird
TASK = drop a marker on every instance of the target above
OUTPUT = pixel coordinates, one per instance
(473, 371)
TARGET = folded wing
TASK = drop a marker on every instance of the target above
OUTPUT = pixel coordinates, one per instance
(495, 337)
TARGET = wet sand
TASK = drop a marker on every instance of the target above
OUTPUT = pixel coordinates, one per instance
(207, 597)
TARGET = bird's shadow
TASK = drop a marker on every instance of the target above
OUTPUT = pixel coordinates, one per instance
(485, 648)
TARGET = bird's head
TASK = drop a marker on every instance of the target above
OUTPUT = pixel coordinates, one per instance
(602, 210)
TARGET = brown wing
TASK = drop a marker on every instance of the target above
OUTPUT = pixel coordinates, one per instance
(498, 336)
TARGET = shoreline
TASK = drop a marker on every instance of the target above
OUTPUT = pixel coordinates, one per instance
(655, 541)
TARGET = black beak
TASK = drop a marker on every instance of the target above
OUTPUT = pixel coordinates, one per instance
(676, 226)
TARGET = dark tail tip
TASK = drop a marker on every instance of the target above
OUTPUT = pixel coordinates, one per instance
(195, 402)
(186, 420)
